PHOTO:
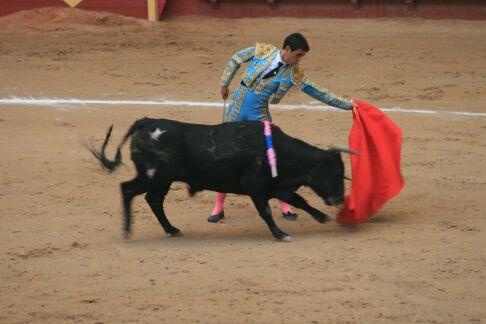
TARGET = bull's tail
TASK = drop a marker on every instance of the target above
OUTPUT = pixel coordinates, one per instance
(110, 165)
(101, 157)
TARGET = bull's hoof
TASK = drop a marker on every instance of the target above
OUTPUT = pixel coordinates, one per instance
(289, 216)
(176, 234)
(286, 239)
(323, 218)
(126, 234)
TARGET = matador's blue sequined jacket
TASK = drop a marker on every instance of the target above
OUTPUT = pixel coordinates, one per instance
(260, 57)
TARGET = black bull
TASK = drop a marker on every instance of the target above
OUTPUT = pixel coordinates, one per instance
(229, 157)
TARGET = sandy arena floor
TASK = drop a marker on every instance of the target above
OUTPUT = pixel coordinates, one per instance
(420, 259)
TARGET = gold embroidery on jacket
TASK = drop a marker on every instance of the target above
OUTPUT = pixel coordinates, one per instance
(297, 75)
(283, 87)
(234, 64)
(235, 106)
(264, 50)
(250, 76)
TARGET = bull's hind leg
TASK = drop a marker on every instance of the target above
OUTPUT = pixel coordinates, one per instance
(155, 199)
(266, 213)
(129, 190)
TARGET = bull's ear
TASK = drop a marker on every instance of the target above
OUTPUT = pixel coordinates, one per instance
(343, 149)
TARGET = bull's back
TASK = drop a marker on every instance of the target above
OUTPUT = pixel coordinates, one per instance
(196, 144)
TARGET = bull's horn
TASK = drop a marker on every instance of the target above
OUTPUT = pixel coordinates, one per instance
(340, 148)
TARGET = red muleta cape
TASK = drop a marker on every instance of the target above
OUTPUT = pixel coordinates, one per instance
(376, 175)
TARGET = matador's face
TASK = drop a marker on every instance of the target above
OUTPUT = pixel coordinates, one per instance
(292, 57)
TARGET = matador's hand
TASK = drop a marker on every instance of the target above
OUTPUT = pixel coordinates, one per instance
(224, 92)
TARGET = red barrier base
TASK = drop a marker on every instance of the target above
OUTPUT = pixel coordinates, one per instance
(430, 9)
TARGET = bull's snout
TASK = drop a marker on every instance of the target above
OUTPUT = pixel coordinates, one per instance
(333, 201)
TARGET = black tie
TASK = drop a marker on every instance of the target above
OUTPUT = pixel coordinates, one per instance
(273, 72)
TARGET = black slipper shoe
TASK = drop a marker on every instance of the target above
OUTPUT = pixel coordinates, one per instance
(289, 216)
(216, 218)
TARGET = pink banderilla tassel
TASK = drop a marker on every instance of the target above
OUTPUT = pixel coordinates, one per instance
(267, 130)
(273, 161)
(271, 155)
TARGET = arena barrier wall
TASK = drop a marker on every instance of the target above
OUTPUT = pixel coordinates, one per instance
(430, 9)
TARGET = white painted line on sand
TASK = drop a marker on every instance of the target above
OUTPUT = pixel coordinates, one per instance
(163, 102)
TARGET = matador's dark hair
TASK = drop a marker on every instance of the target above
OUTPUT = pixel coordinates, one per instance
(296, 41)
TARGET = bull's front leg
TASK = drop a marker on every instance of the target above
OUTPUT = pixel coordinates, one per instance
(266, 213)
(297, 201)
(252, 183)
